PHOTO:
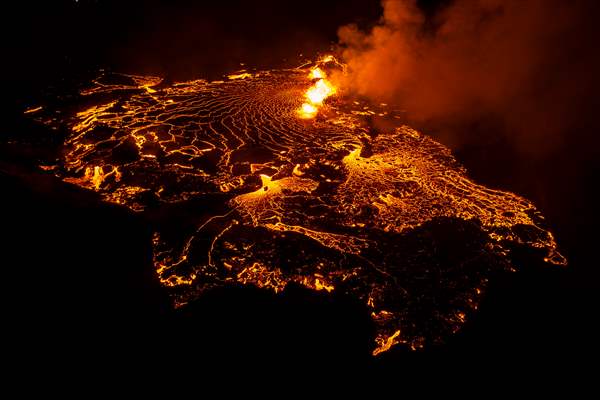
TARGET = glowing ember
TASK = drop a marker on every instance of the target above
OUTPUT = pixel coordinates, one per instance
(386, 216)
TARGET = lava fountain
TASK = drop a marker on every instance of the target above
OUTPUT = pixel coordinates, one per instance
(319, 91)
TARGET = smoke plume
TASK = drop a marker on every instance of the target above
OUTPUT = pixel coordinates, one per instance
(527, 67)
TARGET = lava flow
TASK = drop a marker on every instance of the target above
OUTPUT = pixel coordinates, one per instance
(275, 197)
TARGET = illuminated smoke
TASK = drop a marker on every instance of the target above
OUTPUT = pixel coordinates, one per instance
(527, 65)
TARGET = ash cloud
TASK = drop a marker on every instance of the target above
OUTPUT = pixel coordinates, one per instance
(527, 68)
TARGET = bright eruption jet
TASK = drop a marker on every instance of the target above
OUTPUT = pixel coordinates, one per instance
(318, 92)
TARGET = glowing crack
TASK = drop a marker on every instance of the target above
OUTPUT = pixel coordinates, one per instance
(282, 197)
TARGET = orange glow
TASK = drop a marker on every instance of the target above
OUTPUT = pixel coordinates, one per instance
(97, 177)
(242, 75)
(385, 343)
(308, 110)
(317, 73)
(318, 92)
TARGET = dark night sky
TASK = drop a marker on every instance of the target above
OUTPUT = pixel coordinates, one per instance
(49, 42)
(181, 38)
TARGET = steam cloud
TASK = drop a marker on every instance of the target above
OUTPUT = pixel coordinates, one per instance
(530, 66)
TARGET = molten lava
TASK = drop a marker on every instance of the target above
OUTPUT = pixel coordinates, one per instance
(387, 216)
(308, 110)
(318, 92)
(317, 73)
